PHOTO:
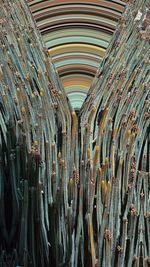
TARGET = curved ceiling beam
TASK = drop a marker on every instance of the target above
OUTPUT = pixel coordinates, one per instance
(77, 34)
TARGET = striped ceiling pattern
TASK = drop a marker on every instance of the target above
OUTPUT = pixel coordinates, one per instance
(77, 34)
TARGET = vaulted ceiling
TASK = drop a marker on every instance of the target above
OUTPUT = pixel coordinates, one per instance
(77, 34)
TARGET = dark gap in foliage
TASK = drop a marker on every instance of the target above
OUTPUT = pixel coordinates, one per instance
(127, 253)
(31, 86)
(59, 138)
(146, 230)
(136, 232)
(116, 252)
(36, 85)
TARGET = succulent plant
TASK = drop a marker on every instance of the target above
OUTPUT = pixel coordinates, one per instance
(74, 188)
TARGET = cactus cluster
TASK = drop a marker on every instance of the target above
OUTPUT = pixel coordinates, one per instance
(74, 188)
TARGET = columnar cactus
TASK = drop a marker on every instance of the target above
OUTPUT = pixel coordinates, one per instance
(74, 189)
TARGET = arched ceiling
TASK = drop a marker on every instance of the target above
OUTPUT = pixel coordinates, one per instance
(77, 34)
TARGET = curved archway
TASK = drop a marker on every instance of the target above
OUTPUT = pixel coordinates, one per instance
(77, 34)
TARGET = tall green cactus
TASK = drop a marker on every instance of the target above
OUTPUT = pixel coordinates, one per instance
(74, 189)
